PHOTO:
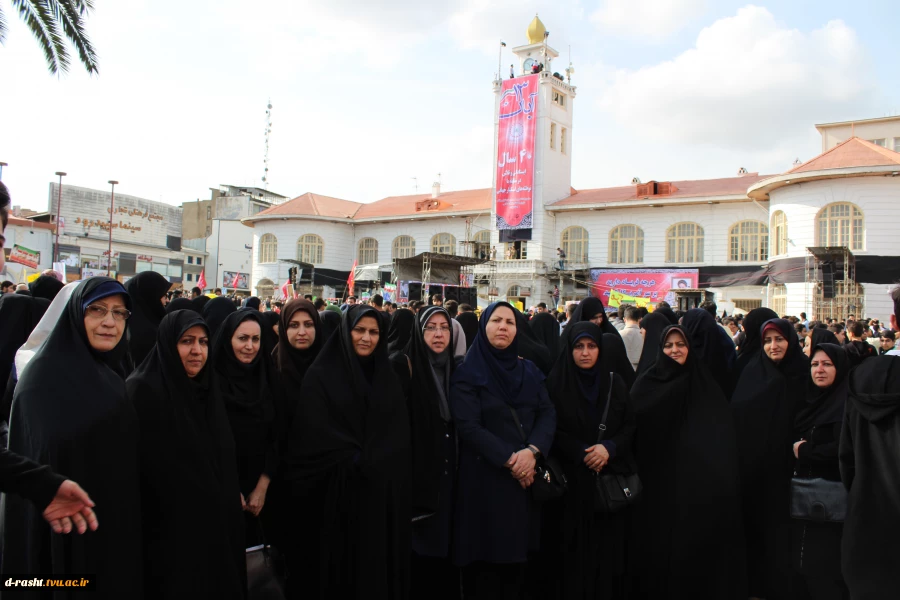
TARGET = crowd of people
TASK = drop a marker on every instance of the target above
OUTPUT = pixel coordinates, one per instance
(436, 451)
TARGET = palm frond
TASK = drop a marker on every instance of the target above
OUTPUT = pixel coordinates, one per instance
(69, 15)
(40, 21)
(2, 26)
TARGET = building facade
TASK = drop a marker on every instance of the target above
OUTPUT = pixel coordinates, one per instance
(31, 241)
(729, 234)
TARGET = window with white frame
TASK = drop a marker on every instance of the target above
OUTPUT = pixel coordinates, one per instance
(779, 233)
(897, 144)
(748, 242)
(684, 243)
(559, 98)
(367, 251)
(626, 245)
(268, 248)
(574, 242)
(880, 142)
(310, 249)
(443, 243)
(840, 224)
(779, 299)
(404, 246)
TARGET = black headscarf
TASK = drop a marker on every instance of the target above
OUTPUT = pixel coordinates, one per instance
(615, 358)
(186, 445)
(349, 456)
(712, 346)
(215, 312)
(669, 314)
(270, 319)
(653, 326)
(588, 308)
(429, 408)
(400, 331)
(290, 362)
(70, 412)
(530, 347)
(499, 371)
(46, 287)
(146, 290)
(181, 304)
(252, 303)
(331, 322)
(686, 442)
(752, 336)
(820, 335)
(546, 330)
(567, 379)
(824, 406)
(199, 302)
(469, 322)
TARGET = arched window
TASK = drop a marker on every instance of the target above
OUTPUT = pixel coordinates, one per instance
(840, 224)
(513, 292)
(443, 243)
(265, 287)
(748, 242)
(367, 251)
(482, 241)
(268, 248)
(574, 242)
(779, 233)
(684, 243)
(626, 245)
(310, 249)
(404, 246)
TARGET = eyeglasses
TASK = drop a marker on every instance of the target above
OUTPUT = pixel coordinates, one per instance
(434, 329)
(99, 312)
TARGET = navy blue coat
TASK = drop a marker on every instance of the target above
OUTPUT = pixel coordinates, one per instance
(496, 520)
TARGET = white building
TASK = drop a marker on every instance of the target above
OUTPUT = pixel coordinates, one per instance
(718, 230)
(36, 238)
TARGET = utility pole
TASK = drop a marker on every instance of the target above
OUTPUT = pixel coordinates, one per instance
(58, 212)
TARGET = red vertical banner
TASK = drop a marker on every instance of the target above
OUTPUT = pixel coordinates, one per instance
(515, 152)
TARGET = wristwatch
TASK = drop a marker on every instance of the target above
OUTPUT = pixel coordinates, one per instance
(535, 451)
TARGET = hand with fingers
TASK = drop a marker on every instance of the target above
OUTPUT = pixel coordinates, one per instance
(70, 508)
(596, 457)
(521, 464)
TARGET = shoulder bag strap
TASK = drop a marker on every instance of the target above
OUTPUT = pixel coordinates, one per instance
(521, 431)
(602, 428)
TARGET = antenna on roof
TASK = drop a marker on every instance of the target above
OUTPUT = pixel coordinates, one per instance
(416, 179)
(265, 177)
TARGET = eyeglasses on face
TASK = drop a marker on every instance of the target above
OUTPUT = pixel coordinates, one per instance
(98, 311)
(433, 329)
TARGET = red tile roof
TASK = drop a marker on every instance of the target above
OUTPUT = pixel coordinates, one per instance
(310, 204)
(854, 152)
(727, 186)
(402, 206)
(20, 222)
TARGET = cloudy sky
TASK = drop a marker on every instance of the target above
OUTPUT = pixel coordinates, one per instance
(369, 94)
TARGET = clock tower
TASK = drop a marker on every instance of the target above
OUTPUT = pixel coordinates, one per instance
(553, 135)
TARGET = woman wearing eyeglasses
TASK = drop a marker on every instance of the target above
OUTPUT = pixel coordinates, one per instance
(425, 367)
(70, 412)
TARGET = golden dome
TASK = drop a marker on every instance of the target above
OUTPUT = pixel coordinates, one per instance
(535, 31)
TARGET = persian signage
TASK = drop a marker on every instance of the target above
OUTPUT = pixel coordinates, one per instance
(652, 284)
(515, 152)
(25, 256)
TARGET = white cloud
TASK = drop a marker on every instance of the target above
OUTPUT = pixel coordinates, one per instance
(650, 20)
(747, 81)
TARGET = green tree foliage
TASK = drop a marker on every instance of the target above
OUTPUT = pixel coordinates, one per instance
(53, 22)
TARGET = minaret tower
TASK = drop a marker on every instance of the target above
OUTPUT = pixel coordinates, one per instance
(553, 136)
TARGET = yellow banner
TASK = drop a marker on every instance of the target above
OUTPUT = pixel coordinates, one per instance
(616, 299)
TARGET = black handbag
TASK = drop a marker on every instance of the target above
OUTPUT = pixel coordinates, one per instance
(263, 580)
(613, 492)
(819, 500)
(549, 480)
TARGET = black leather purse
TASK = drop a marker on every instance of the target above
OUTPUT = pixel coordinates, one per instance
(613, 492)
(549, 480)
(819, 500)
(263, 580)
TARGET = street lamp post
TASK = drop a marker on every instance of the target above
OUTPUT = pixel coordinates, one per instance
(58, 212)
(2, 164)
(112, 207)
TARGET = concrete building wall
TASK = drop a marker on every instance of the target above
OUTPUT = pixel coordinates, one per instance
(869, 129)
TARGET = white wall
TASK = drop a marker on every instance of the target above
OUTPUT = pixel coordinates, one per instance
(227, 252)
(40, 240)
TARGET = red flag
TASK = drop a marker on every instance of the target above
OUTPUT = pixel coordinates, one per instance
(351, 279)
(284, 289)
(201, 282)
(237, 280)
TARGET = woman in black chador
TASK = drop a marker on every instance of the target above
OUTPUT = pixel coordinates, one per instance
(148, 296)
(193, 527)
(587, 547)
(70, 412)
(400, 330)
(763, 404)
(816, 547)
(425, 368)
(688, 524)
(349, 452)
(712, 346)
(652, 327)
(592, 309)
(242, 378)
(496, 522)
(215, 312)
(546, 329)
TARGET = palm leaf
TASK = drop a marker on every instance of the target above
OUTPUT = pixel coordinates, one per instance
(40, 21)
(69, 15)
(2, 26)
